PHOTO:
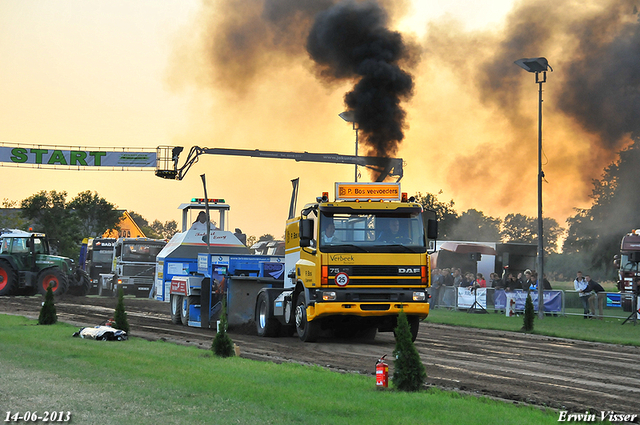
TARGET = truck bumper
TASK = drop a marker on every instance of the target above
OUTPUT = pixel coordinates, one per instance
(325, 309)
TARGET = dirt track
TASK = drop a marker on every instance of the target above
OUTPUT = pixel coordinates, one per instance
(554, 372)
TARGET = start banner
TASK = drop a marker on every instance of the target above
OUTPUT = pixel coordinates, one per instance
(43, 156)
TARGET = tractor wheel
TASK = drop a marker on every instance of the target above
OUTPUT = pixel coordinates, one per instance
(83, 283)
(307, 331)
(176, 306)
(265, 323)
(8, 279)
(52, 277)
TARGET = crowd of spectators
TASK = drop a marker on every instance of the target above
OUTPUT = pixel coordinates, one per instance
(454, 277)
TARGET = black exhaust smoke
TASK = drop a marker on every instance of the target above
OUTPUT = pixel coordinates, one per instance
(351, 40)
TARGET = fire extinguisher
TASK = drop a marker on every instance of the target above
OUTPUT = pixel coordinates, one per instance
(382, 373)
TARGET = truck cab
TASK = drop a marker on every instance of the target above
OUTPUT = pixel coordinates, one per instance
(133, 267)
(354, 263)
(628, 264)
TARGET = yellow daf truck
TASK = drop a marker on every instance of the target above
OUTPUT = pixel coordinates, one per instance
(352, 264)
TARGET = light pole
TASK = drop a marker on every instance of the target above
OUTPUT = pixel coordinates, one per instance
(538, 66)
(349, 116)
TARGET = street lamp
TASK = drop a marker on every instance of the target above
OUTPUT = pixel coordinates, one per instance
(538, 66)
(349, 116)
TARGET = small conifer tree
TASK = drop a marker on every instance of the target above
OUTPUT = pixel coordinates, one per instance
(222, 345)
(529, 315)
(409, 373)
(48, 315)
(120, 316)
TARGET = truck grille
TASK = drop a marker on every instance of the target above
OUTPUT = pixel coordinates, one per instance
(139, 270)
(380, 282)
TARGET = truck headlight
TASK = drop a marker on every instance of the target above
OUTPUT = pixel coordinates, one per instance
(329, 296)
(419, 296)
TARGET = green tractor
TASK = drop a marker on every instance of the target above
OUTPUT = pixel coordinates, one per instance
(26, 267)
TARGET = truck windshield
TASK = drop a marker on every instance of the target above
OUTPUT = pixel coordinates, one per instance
(140, 252)
(627, 265)
(102, 256)
(372, 232)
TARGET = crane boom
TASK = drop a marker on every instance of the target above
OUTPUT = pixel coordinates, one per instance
(168, 160)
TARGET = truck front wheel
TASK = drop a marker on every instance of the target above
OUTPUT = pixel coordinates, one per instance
(8, 279)
(52, 277)
(307, 331)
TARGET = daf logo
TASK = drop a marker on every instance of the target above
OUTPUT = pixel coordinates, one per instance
(403, 270)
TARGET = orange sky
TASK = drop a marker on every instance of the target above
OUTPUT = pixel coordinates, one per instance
(135, 74)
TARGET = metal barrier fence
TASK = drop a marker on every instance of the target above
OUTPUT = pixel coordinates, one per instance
(570, 302)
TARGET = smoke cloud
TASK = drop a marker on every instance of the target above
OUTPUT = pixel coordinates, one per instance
(352, 41)
(590, 100)
(473, 112)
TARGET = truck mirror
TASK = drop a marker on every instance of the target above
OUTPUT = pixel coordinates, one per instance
(432, 229)
(118, 250)
(306, 232)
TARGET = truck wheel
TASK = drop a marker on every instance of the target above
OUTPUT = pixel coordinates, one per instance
(52, 277)
(307, 331)
(266, 324)
(184, 310)
(8, 279)
(102, 292)
(83, 283)
(176, 305)
(414, 324)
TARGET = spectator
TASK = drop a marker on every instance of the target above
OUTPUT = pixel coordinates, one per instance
(580, 284)
(496, 282)
(467, 280)
(533, 282)
(526, 280)
(511, 283)
(447, 290)
(457, 277)
(480, 281)
(597, 295)
(545, 284)
(436, 283)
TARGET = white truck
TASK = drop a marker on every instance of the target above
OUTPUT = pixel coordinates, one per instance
(133, 267)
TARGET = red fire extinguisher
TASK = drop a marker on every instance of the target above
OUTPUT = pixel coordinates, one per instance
(382, 373)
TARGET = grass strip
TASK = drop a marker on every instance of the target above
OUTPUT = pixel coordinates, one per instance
(609, 330)
(144, 382)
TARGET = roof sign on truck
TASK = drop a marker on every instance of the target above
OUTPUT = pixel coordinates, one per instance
(368, 191)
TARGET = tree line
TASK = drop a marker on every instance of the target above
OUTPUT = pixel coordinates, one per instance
(67, 222)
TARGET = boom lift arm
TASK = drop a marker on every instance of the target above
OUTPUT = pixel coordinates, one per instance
(168, 160)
